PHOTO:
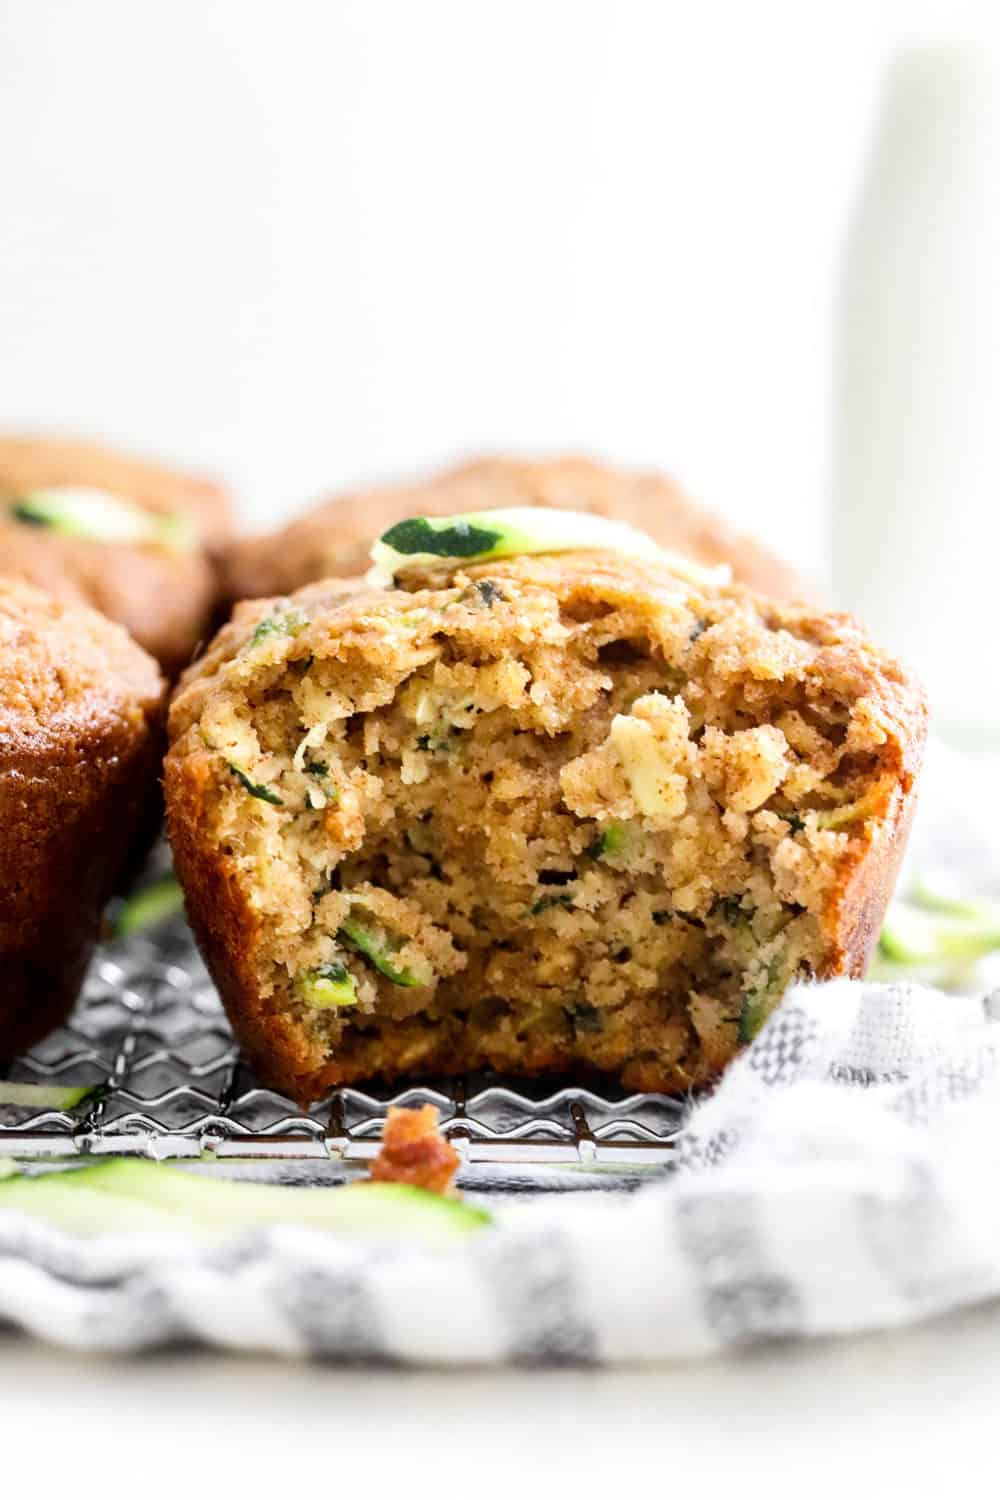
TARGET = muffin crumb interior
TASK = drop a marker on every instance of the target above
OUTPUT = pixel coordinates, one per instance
(529, 816)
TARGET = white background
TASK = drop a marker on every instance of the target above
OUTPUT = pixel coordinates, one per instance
(304, 244)
(308, 243)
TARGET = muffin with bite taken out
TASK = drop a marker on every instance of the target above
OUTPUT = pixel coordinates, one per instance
(539, 797)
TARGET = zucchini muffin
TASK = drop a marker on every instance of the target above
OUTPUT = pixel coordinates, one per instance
(332, 541)
(549, 812)
(81, 730)
(129, 538)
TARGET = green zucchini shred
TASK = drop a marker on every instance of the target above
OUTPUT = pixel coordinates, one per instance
(289, 622)
(98, 516)
(135, 1196)
(263, 793)
(155, 903)
(435, 742)
(457, 539)
(759, 1002)
(732, 912)
(378, 949)
(931, 896)
(46, 1095)
(545, 903)
(913, 936)
(753, 1014)
(328, 987)
(611, 840)
(585, 1017)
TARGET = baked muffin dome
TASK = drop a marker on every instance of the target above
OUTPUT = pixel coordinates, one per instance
(550, 812)
(132, 539)
(332, 541)
(81, 723)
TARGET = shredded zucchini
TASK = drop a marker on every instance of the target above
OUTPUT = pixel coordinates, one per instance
(329, 986)
(256, 788)
(378, 948)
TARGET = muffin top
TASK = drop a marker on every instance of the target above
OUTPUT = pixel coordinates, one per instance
(66, 673)
(29, 463)
(333, 539)
(130, 539)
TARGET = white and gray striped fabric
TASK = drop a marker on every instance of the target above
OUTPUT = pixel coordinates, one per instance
(845, 1176)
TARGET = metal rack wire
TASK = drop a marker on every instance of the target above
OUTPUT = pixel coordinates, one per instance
(168, 1082)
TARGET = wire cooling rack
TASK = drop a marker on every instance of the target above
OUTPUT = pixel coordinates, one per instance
(149, 1034)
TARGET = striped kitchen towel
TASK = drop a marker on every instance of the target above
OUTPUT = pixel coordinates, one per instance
(844, 1176)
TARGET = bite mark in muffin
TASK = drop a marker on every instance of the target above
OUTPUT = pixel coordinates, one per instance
(545, 813)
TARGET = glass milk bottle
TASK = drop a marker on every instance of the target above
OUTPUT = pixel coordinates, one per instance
(916, 534)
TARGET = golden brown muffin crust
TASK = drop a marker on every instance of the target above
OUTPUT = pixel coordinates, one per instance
(81, 712)
(333, 539)
(164, 600)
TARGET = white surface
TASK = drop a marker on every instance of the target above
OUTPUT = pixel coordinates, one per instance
(316, 242)
(912, 1414)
